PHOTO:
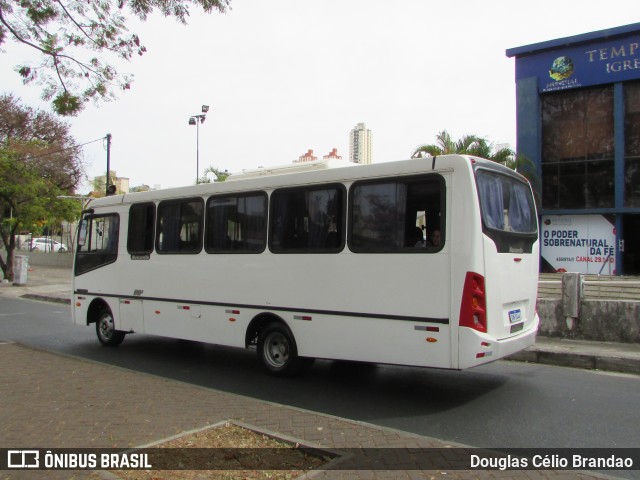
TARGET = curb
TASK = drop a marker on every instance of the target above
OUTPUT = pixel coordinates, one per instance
(579, 360)
(46, 298)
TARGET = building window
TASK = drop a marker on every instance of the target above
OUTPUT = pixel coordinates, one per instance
(578, 149)
(236, 224)
(179, 228)
(142, 219)
(307, 220)
(632, 144)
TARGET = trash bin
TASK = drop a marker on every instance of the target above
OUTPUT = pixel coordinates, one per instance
(20, 269)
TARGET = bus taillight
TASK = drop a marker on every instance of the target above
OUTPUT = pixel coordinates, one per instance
(473, 309)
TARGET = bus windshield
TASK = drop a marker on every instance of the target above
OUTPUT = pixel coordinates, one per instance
(508, 209)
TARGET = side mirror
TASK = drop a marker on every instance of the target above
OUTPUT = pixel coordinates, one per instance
(82, 233)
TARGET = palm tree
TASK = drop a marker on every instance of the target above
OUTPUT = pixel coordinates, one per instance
(481, 147)
(445, 145)
(467, 145)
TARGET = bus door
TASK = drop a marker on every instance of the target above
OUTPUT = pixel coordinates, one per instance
(509, 224)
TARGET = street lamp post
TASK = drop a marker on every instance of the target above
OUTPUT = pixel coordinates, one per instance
(197, 120)
(107, 189)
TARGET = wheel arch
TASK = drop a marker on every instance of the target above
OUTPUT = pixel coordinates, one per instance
(95, 307)
(258, 323)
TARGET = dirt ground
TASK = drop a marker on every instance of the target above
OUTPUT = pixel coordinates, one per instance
(245, 448)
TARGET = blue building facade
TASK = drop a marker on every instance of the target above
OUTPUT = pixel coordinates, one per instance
(578, 121)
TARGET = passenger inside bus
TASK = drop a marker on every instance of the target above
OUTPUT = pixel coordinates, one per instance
(415, 238)
(435, 238)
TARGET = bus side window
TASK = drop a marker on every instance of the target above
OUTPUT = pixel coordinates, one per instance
(141, 228)
(308, 220)
(397, 216)
(179, 226)
(236, 224)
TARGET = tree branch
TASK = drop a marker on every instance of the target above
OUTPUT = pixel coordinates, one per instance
(19, 37)
(55, 56)
(80, 27)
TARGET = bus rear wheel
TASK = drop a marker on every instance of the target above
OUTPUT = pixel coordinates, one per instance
(106, 330)
(277, 351)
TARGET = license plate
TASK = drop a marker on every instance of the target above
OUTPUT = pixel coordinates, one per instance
(516, 327)
(515, 316)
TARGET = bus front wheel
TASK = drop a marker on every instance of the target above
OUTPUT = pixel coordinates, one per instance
(106, 330)
(277, 351)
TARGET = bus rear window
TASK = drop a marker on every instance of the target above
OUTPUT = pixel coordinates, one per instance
(508, 211)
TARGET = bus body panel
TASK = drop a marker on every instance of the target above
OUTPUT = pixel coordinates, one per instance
(465, 243)
(477, 348)
(284, 282)
(374, 340)
(340, 319)
(190, 321)
(512, 321)
(131, 315)
(511, 288)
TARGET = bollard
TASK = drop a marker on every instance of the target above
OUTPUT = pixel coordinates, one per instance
(571, 285)
(20, 270)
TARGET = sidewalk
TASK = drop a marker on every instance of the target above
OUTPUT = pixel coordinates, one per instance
(52, 284)
(55, 401)
(51, 400)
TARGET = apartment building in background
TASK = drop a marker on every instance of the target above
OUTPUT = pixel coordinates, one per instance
(332, 155)
(306, 157)
(121, 183)
(310, 157)
(360, 140)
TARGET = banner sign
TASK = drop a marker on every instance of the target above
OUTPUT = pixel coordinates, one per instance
(348, 459)
(578, 243)
(594, 63)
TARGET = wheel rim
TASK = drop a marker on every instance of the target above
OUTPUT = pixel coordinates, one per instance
(106, 326)
(276, 352)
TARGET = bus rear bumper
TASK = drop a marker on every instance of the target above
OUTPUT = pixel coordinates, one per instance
(478, 348)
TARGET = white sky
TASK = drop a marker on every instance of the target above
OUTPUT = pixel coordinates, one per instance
(284, 76)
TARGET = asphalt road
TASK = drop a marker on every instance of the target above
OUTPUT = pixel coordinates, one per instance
(504, 404)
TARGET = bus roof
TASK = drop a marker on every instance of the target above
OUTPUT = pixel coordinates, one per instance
(304, 174)
(290, 168)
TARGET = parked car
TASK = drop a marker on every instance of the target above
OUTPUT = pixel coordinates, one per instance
(47, 245)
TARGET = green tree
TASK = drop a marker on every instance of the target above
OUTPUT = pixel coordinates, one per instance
(39, 163)
(220, 175)
(70, 40)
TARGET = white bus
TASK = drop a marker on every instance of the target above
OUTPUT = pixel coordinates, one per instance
(427, 262)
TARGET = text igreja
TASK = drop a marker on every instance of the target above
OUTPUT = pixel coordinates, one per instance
(616, 58)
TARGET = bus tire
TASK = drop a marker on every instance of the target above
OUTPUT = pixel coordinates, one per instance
(106, 329)
(278, 352)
